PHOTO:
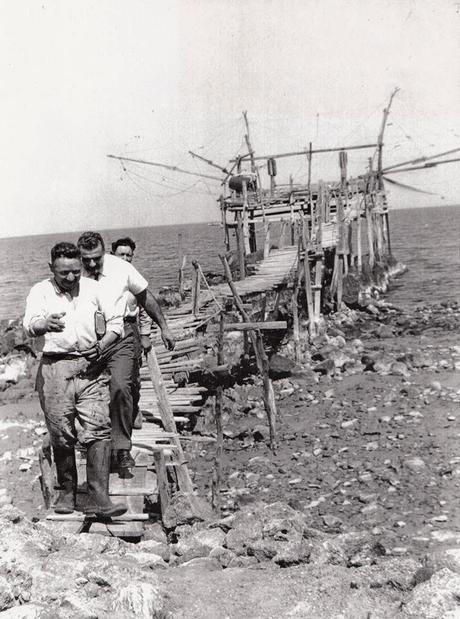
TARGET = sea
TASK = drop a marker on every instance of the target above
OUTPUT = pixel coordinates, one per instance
(427, 240)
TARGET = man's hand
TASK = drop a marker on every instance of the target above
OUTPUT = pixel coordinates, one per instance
(168, 339)
(54, 323)
(93, 353)
(146, 343)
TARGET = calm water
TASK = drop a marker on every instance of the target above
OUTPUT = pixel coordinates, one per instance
(427, 240)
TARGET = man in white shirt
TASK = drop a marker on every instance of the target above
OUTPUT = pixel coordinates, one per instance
(122, 280)
(71, 381)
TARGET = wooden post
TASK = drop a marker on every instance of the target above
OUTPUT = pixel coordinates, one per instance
(307, 282)
(223, 211)
(247, 247)
(240, 245)
(295, 305)
(267, 238)
(217, 473)
(182, 261)
(169, 423)
(196, 288)
(281, 239)
(319, 253)
(261, 359)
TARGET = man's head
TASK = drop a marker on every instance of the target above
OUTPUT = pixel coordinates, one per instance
(124, 248)
(92, 248)
(66, 265)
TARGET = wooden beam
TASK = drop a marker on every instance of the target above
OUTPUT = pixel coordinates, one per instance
(306, 152)
(163, 165)
(247, 326)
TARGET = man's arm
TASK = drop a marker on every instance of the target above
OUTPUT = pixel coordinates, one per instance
(146, 300)
(145, 326)
(37, 321)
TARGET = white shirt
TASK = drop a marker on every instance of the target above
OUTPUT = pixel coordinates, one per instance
(79, 334)
(120, 280)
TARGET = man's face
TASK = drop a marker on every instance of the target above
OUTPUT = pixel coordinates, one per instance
(124, 252)
(67, 273)
(93, 260)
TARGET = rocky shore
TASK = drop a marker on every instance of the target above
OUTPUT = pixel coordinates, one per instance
(356, 515)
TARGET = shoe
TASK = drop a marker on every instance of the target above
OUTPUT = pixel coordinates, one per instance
(97, 475)
(125, 459)
(66, 470)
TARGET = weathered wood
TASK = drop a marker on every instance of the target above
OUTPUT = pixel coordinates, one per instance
(261, 358)
(169, 424)
(305, 152)
(266, 239)
(246, 326)
(196, 288)
(182, 260)
(79, 517)
(162, 481)
(47, 475)
(240, 246)
(217, 473)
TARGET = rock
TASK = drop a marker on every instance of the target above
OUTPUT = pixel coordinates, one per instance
(186, 509)
(155, 532)
(444, 558)
(415, 464)
(398, 368)
(242, 561)
(148, 560)
(280, 367)
(436, 598)
(74, 606)
(198, 544)
(261, 433)
(26, 611)
(203, 563)
(142, 599)
(6, 594)
(223, 555)
(158, 548)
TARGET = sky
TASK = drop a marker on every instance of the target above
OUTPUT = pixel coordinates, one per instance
(155, 79)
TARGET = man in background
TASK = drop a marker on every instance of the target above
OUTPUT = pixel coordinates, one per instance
(121, 279)
(124, 248)
(72, 382)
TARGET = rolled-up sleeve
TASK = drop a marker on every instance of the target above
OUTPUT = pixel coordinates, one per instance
(136, 282)
(113, 308)
(35, 308)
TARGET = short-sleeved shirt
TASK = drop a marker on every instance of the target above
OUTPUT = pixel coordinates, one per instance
(120, 279)
(45, 298)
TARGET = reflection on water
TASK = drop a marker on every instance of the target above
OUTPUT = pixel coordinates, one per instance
(426, 240)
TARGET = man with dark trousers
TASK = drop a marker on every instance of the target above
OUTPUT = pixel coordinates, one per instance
(120, 279)
(124, 248)
(72, 382)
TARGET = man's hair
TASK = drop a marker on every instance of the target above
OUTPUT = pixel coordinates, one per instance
(90, 240)
(127, 241)
(65, 250)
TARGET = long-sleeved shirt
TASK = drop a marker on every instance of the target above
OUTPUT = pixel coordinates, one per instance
(45, 298)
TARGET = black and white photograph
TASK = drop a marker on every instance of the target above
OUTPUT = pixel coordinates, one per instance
(230, 309)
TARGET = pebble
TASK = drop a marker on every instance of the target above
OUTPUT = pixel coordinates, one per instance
(348, 424)
(414, 464)
(294, 481)
(399, 550)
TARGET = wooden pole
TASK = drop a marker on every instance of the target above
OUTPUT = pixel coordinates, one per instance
(247, 247)
(223, 211)
(267, 238)
(261, 358)
(169, 424)
(307, 280)
(196, 288)
(217, 473)
(182, 261)
(240, 245)
(304, 152)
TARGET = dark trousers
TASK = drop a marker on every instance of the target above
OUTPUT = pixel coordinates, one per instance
(123, 365)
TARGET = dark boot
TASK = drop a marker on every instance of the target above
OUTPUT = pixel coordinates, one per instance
(66, 470)
(97, 474)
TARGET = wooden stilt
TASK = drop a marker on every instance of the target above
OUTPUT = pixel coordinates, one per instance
(169, 424)
(182, 261)
(196, 288)
(261, 358)
(247, 247)
(217, 473)
(267, 239)
(240, 245)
